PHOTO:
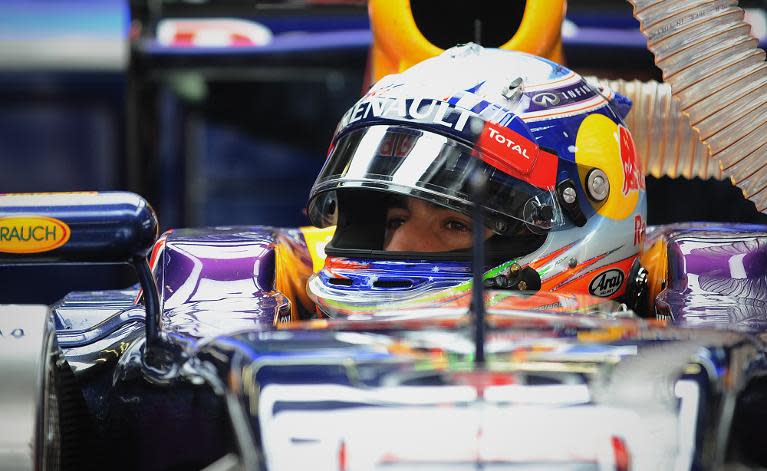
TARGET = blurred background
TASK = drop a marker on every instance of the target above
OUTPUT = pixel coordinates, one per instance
(220, 112)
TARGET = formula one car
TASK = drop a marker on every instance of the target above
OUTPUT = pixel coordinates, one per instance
(218, 359)
(199, 374)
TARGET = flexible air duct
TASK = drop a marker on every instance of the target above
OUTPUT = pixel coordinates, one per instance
(719, 77)
(664, 140)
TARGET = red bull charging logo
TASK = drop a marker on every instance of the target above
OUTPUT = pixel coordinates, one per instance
(632, 174)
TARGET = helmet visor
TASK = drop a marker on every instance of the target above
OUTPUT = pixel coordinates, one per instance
(435, 168)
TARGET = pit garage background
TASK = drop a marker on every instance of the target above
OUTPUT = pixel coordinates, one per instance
(218, 129)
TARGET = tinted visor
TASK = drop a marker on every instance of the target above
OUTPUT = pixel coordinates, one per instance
(435, 168)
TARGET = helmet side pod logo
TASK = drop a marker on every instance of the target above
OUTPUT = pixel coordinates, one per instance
(606, 283)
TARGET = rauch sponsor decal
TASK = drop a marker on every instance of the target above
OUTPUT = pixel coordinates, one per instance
(32, 234)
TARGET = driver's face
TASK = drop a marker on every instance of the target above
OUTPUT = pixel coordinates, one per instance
(413, 225)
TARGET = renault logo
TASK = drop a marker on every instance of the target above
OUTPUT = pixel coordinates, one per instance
(546, 99)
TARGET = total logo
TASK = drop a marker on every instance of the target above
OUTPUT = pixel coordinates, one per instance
(606, 283)
(507, 150)
(508, 142)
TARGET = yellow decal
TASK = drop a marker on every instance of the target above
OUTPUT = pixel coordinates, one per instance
(598, 144)
(32, 234)
(655, 260)
(607, 335)
(316, 240)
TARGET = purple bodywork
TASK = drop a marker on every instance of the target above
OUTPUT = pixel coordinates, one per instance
(222, 279)
(218, 280)
(717, 276)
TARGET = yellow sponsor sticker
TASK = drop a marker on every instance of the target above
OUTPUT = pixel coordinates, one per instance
(601, 143)
(316, 240)
(32, 234)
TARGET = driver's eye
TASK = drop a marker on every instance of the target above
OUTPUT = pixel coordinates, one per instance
(394, 222)
(457, 226)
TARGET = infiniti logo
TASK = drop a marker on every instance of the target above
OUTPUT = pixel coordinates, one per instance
(546, 99)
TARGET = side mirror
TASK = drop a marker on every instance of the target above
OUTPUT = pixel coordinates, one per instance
(109, 227)
(82, 228)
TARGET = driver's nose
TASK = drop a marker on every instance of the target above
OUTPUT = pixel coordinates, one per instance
(410, 237)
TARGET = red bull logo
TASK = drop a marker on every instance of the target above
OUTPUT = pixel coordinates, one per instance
(632, 174)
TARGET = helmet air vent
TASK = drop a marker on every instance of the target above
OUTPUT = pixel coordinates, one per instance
(393, 284)
(340, 281)
(514, 90)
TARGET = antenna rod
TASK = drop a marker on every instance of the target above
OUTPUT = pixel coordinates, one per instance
(477, 186)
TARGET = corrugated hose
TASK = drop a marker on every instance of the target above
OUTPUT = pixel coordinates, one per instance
(717, 75)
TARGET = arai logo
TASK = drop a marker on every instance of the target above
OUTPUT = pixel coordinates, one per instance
(606, 283)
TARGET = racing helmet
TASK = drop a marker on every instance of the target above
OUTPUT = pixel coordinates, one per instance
(564, 193)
